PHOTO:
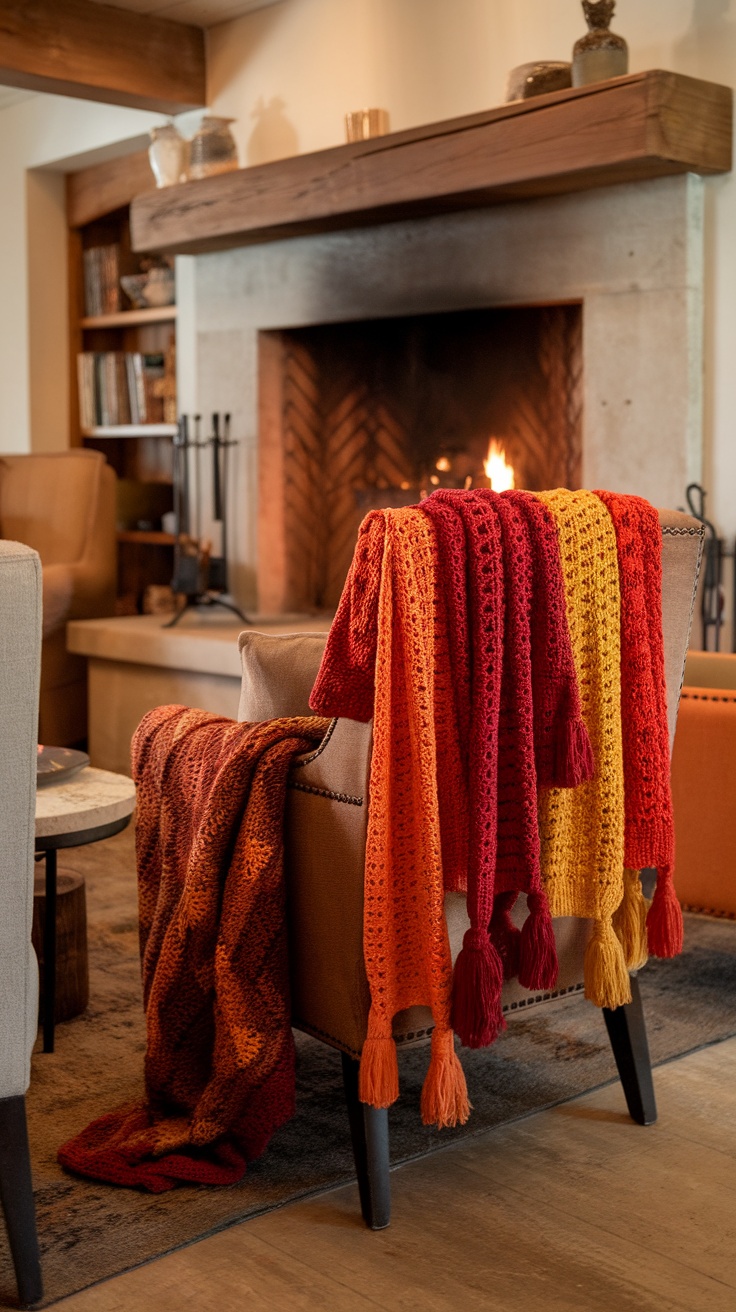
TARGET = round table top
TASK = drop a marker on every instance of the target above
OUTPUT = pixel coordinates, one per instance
(91, 799)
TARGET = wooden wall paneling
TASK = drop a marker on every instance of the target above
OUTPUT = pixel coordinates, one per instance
(643, 126)
(99, 52)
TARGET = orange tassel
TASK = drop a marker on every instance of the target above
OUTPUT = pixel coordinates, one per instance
(630, 921)
(445, 1093)
(378, 1078)
(607, 982)
(665, 929)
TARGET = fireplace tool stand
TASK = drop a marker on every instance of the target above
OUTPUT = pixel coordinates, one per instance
(200, 576)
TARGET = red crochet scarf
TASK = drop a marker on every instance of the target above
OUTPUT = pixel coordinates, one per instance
(648, 818)
(514, 666)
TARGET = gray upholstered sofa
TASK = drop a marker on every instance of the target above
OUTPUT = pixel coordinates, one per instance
(20, 659)
(325, 858)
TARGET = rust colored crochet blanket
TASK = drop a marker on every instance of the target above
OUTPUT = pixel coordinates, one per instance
(219, 1066)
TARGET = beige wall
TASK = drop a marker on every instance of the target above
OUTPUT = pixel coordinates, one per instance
(288, 73)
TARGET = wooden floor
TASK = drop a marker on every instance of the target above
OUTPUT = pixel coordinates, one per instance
(571, 1210)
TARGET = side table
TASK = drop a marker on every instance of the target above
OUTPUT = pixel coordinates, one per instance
(95, 804)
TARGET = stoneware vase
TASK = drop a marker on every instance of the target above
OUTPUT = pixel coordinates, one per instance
(212, 149)
(600, 54)
(167, 153)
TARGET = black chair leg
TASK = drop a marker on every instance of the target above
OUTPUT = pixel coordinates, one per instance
(628, 1035)
(16, 1195)
(369, 1133)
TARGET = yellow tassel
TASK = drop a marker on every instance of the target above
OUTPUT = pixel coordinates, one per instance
(607, 982)
(378, 1078)
(630, 921)
(445, 1094)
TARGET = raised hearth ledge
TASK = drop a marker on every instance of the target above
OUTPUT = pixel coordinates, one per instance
(134, 665)
(646, 125)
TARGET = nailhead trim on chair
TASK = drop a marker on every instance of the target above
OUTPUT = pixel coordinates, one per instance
(305, 760)
(326, 792)
(674, 532)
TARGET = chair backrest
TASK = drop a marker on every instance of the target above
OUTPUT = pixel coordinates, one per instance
(49, 502)
(20, 657)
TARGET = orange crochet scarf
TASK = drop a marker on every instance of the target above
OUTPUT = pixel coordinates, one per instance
(406, 946)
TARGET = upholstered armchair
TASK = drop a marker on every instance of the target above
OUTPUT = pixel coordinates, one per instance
(20, 626)
(325, 856)
(63, 506)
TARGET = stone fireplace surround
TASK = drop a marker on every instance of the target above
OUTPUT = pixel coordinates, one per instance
(632, 254)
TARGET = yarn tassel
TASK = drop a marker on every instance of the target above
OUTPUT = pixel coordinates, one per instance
(607, 982)
(574, 760)
(378, 1077)
(505, 936)
(476, 991)
(630, 921)
(538, 965)
(445, 1093)
(664, 921)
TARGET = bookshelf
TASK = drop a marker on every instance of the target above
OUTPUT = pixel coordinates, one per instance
(122, 369)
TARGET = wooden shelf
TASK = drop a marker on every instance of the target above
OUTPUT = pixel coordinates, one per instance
(132, 430)
(131, 318)
(147, 537)
(647, 125)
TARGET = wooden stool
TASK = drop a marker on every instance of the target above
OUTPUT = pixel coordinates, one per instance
(72, 967)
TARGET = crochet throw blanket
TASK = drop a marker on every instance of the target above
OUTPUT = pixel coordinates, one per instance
(219, 1066)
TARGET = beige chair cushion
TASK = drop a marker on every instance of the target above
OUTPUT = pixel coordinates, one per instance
(278, 673)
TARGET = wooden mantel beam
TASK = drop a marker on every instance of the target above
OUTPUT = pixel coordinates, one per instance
(647, 125)
(97, 52)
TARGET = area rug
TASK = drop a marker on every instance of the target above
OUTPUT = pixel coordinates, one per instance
(89, 1232)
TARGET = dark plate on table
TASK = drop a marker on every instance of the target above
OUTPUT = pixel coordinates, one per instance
(57, 763)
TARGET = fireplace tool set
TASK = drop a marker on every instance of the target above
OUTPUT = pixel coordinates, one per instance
(715, 553)
(200, 573)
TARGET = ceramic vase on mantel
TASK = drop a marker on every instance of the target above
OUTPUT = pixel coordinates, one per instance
(167, 154)
(212, 149)
(600, 54)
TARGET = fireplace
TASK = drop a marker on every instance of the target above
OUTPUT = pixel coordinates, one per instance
(597, 296)
(378, 413)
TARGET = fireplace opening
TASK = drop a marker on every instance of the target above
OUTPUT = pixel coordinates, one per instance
(357, 416)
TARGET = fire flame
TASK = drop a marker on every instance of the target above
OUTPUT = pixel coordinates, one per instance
(497, 468)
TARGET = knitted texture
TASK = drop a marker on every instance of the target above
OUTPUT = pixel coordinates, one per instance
(406, 947)
(219, 1066)
(562, 746)
(649, 824)
(582, 830)
(477, 1014)
(517, 855)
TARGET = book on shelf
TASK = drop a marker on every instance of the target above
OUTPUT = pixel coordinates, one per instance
(102, 279)
(119, 387)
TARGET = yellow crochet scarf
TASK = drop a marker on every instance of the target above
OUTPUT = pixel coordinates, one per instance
(582, 829)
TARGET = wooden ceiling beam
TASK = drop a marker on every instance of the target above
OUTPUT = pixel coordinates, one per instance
(97, 52)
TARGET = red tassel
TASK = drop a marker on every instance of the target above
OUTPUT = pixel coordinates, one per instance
(664, 922)
(574, 760)
(538, 965)
(477, 1017)
(505, 936)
